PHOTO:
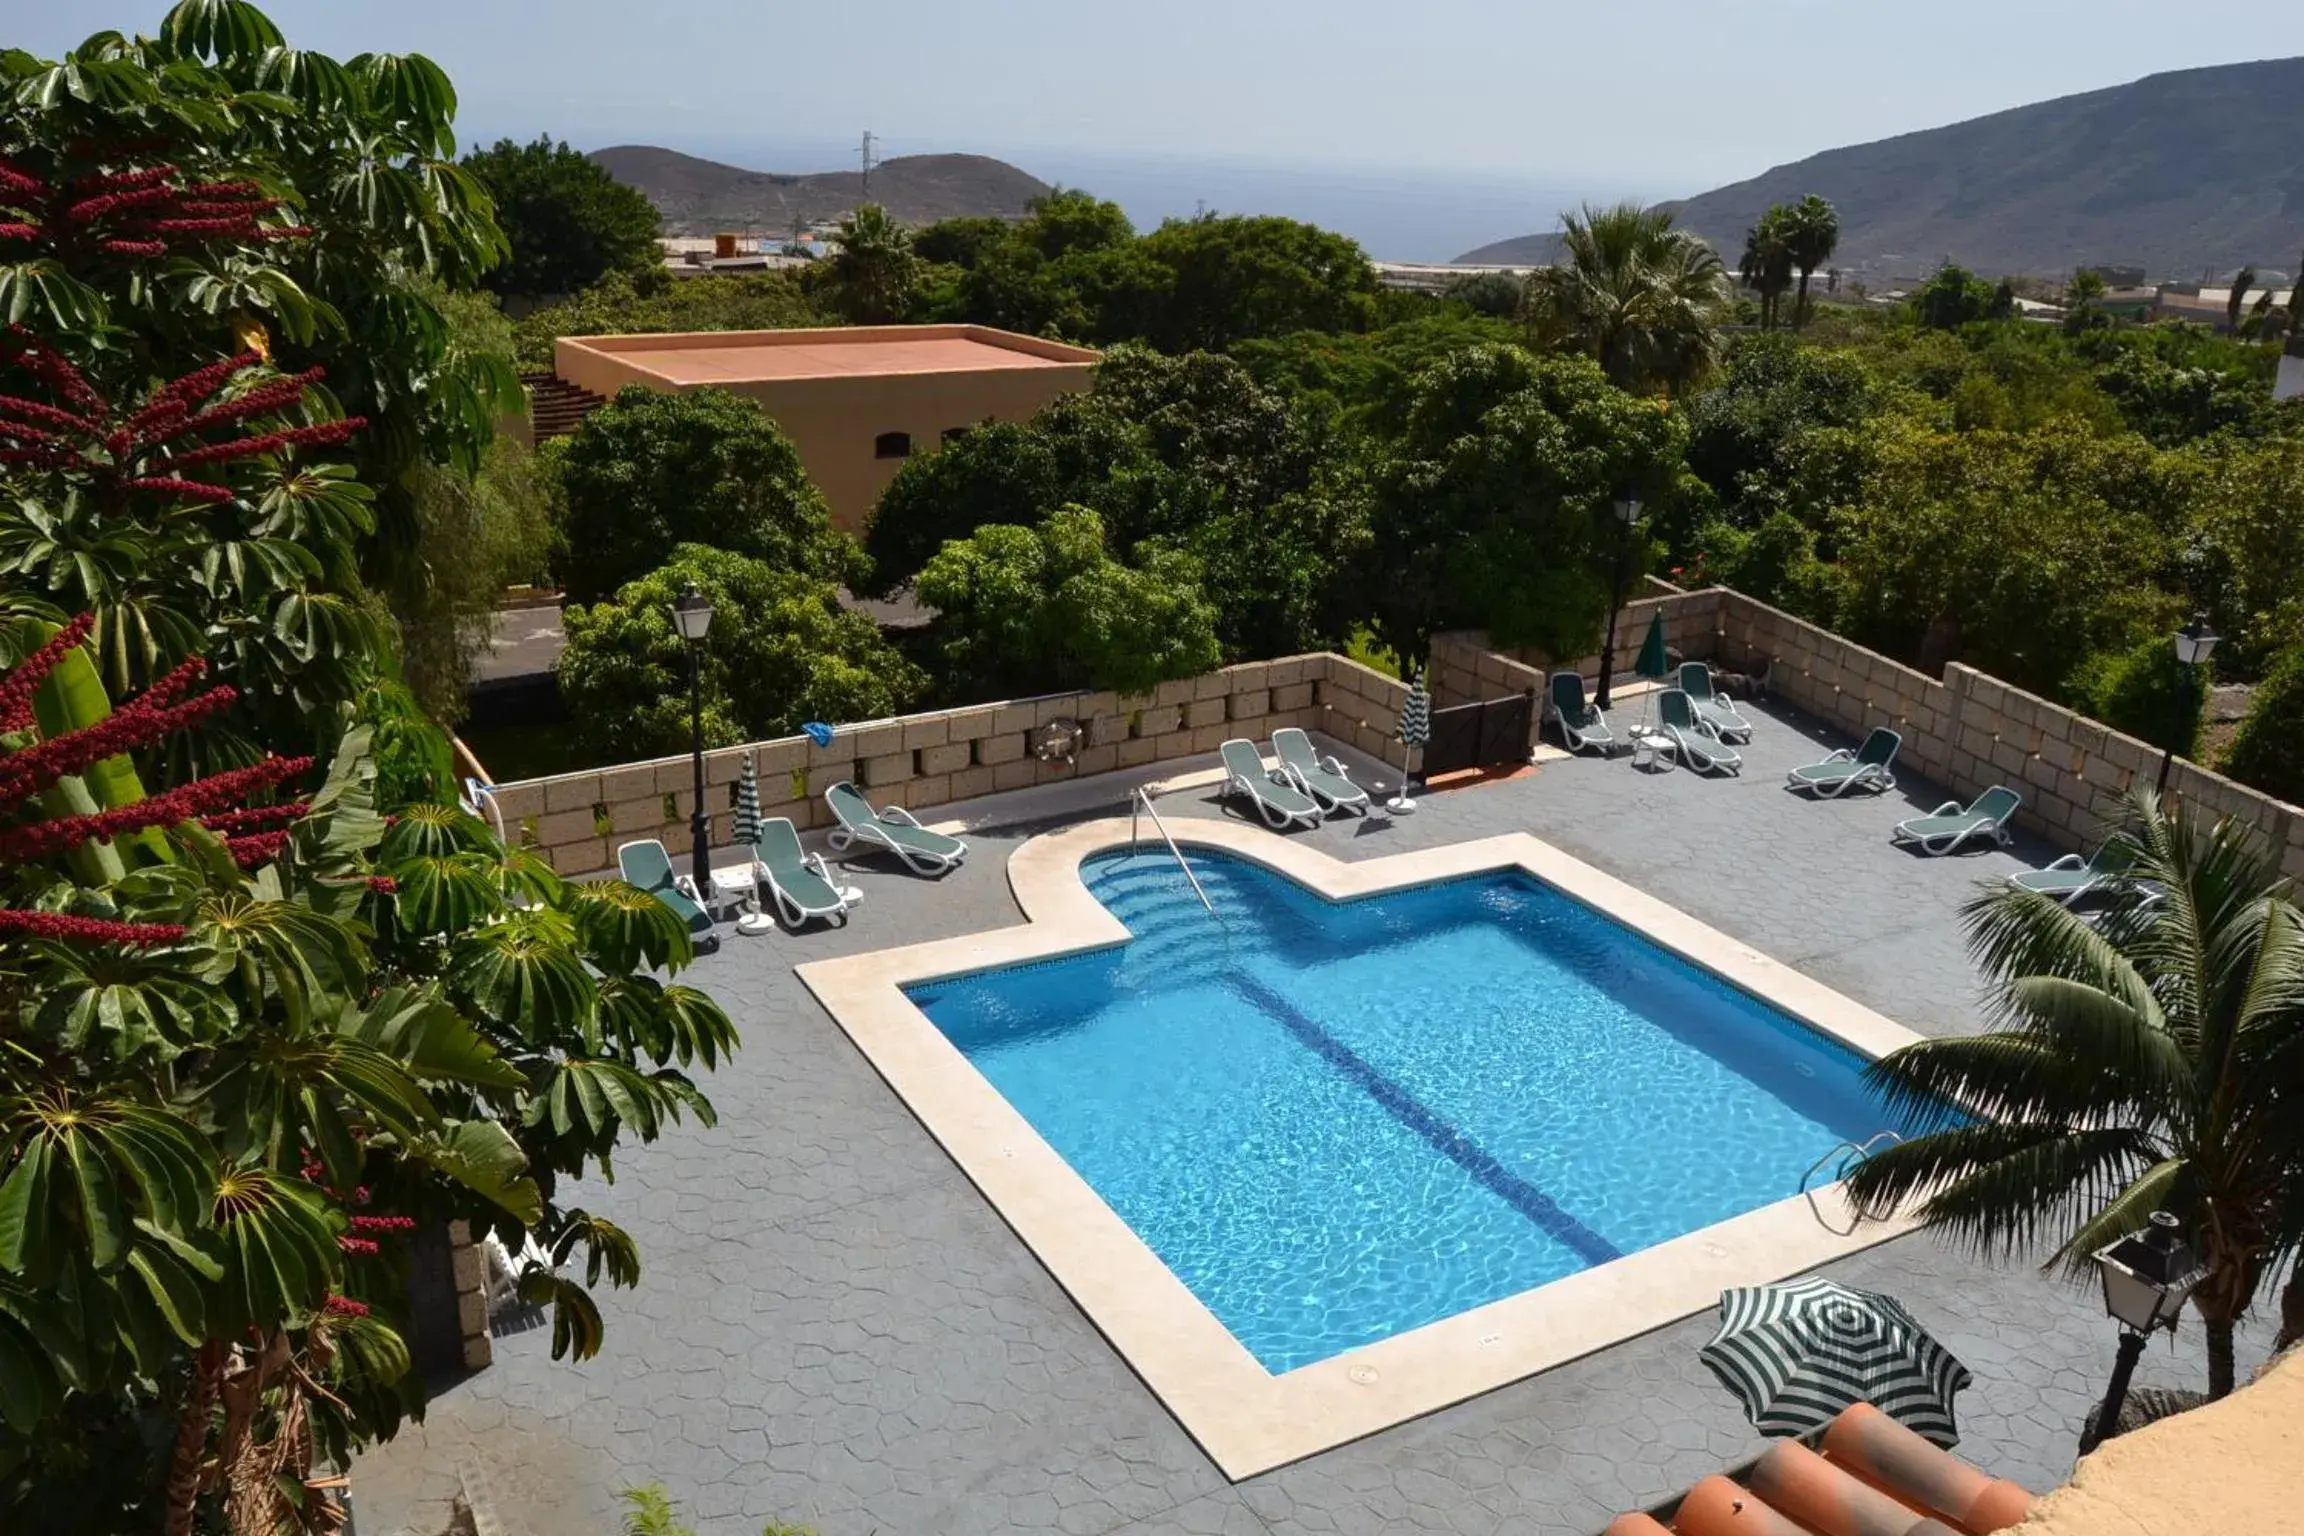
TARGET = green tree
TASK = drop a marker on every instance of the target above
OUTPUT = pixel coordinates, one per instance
(2238, 297)
(1767, 265)
(874, 272)
(568, 221)
(2268, 754)
(1033, 610)
(1189, 451)
(964, 241)
(1067, 221)
(1495, 508)
(1811, 235)
(1634, 294)
(782, 651)
(1497, 295)
(1231, 278)
(2021, 553)
(648, 471)
(1356, 383)
(1952, 298)
(2084, 302)
(2147, 1064)
(2144, 691)
(1758, 437)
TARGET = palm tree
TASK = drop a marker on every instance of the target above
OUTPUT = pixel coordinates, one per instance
(1640, 297)
(1767, 264)
(873, 268)
(2152, 1063)
(1811, 235)
(2236, 298)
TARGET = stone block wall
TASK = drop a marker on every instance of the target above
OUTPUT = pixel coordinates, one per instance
(576, 820)
(1967, 731)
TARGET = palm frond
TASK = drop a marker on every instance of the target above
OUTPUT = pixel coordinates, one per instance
(2003, 1188)
(2157, 1188)
(2017, 1077)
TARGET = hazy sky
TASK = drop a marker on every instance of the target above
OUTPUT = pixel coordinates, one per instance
(1650, 96)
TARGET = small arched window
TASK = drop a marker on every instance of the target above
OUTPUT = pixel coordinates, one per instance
(892, 445)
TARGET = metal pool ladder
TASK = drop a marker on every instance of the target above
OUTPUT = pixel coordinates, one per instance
(1140, 800)
(1847, 1152)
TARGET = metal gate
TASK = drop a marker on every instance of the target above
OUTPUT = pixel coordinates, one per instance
(1485, 735)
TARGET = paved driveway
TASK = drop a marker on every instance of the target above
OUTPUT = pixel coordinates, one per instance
(834, 1328)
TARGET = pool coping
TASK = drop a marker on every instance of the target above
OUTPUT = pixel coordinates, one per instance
(1247, 1419)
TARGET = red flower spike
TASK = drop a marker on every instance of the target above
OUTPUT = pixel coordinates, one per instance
(344, 1306)
(66, 928)
(17, 688)
(383, 885)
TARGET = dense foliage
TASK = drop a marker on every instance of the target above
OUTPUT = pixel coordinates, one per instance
(751, 301)
(1034, 610)
(1189, 452)
(2269, 751)
(782, 651)
(873, 274)
(261, 1016)
(1494, 508)
(567, 221)
(1634, 294)
(649, 471)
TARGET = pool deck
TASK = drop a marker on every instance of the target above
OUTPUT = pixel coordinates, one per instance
(835, 1328)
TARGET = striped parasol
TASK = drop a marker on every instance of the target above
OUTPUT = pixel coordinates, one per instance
(1415, 731)
(1799, 1352)
(1416, 714)
(747, 828)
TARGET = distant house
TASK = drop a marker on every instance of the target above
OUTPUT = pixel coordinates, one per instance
(856, 401)
(2207, 306)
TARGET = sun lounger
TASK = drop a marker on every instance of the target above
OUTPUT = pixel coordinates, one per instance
(645, 864)
(1691, 738)
(1278, 801)
(1714, 709)
(2072, 877)
(1323, 778)
(797, 880)
(1868, 767)
(1949, 826)
(893, 829)
(1584, 727)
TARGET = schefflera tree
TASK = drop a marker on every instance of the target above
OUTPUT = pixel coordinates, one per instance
(251, 1033)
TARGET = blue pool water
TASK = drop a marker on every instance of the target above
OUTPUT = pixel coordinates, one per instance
(1339, 1121)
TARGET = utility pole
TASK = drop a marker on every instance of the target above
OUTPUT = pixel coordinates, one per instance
(864, 159)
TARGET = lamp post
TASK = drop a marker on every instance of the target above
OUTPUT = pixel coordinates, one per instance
(692, 617)
(2195, 643)
(1627, 509)
(2148, 1276)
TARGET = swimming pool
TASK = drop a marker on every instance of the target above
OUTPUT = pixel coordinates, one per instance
(1336, 1122)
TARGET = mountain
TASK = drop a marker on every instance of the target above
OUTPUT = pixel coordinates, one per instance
(703, 197)
(2179, 173)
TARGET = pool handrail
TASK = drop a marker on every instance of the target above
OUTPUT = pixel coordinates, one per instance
(1140, 796)
(1848, 1152)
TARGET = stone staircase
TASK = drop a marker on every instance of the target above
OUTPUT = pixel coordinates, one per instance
(555, 406)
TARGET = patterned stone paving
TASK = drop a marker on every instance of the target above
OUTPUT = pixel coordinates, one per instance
(834, 1327)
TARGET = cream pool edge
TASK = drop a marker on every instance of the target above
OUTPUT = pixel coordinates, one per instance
(1247, 1419)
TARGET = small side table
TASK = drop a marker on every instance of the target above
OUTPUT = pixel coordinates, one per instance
(733, 887)
(1654, 743)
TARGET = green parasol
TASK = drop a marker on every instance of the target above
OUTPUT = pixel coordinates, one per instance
(1653, 662)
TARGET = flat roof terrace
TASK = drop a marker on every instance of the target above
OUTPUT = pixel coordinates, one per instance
(689, 358)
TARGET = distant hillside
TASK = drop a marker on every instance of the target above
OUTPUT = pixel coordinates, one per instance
(703, 197)
(2180, 173)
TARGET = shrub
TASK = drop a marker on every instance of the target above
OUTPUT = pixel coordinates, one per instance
(649, 471)
(781, 651)
(2143, 691)
(2268, 754)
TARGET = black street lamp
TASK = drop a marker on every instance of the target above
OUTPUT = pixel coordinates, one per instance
(2195, 643)
(692, 617)
(1627, 508)
(2148, 1276)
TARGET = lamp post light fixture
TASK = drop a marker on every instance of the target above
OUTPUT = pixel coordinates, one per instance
(1627, 509)
(2148, 1276)
(2195, 643)
(692, 617)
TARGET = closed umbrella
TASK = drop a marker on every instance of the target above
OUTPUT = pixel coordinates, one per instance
(1415, 731)
(1653, 662)
(1799, 1352)
(747, 830)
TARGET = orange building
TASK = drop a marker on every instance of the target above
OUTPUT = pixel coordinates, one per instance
(856, 401)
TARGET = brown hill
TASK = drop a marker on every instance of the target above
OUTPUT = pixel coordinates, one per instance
(702, 197)
(2179, 173)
